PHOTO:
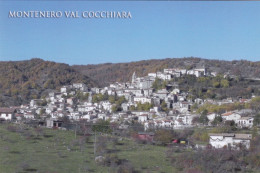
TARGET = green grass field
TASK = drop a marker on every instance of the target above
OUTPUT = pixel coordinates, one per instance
(53, 151)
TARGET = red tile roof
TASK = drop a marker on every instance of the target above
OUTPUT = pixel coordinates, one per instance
(227, 114)
(6, 110)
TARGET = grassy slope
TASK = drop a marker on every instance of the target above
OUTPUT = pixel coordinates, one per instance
(50, 154)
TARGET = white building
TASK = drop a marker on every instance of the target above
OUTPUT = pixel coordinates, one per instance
(28, 115)
(7, 113)
(174, 72)
(80, 86)
(86, 108)
(245, 122)
(142, 118)
(229, 116)
(161, 93)
(142, 100)
(152, 75)
(211, 116)
(135, 91)
(106, 106)
(164, 76)
(229, 140)
(65, 89)
(36, 102)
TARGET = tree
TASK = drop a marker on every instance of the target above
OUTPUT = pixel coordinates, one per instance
(257, 120)
(43, 103)
(117, 102)
(99, 97)
(224, 83)
(116, 108)
(203, 117)
(112, 99)
(164, 107)
(255, 104)
(102, 126)
(142, 107)
(216, 84)
(42, 111)
(82, 96)
(163, 136)
(194, 107)
(217, 120)
(159, 84)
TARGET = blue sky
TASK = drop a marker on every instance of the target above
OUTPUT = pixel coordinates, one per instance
(212, 30)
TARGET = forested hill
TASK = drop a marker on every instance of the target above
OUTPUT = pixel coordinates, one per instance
(104, 74)
(21, 81)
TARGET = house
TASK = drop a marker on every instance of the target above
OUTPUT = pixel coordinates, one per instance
(163, 76)
(245, 122)
(85, 117)
(71, 100)
(175, 91)
(145, 83)
(135, 91)
(175, 71)
(80, 86)
(7, 113)
(65, 89)
(161, 93)
(172, 72)
(244, 100)
(148, 92)
(168, 123)
(149, 125)
(230, 116)
(125, 106)
(142, 118)
(211, 116)
(52, 123)
(36, 102)
(106, 105)
(198, 72)
(102, 116)
(28, 115)
(231, 140)
(198, 101)
(86, 107)
(19, 116)
(142, 100)
(152, 75)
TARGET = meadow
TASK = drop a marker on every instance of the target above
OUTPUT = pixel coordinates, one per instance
(25, 149)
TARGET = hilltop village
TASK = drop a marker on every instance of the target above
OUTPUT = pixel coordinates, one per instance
(138, 100)
(153, 102)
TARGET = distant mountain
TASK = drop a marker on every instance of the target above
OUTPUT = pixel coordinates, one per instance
(105, 74)
(21, 81)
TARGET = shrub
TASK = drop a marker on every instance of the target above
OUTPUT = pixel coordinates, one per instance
(11, 128)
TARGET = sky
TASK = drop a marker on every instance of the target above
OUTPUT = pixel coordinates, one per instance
(157, 30)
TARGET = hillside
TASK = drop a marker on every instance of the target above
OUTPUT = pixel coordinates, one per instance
(107, 73)
(47, 150)
(21, 81)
